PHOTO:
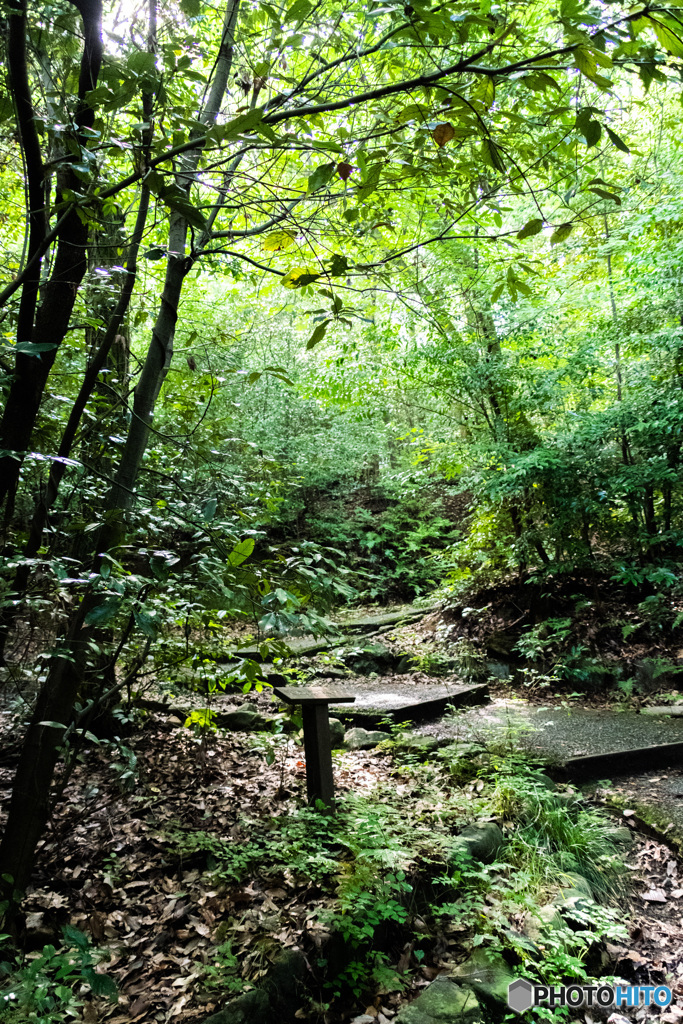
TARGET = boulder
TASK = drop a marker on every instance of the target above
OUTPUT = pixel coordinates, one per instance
(543, 920)
(371, 658)
(481, 840)
(442, 1002)
(487, 973)
(363, 739)
(336, 733)
(278, 998)
(242, 719)
(574, 882)
(423, 746)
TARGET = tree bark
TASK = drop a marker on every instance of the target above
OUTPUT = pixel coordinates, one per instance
(51, 322)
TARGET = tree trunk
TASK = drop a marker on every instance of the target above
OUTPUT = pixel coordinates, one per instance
(59, 293)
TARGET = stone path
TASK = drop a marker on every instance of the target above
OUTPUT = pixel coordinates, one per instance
(559, 732)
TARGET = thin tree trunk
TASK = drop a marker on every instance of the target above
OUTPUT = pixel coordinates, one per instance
(59, 293)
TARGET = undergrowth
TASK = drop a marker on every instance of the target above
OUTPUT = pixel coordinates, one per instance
(391, 872)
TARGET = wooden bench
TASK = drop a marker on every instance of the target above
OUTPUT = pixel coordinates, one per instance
(314, 701)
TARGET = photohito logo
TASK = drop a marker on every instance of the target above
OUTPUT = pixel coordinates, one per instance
(522, 995)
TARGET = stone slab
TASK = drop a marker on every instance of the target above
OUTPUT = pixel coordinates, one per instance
(671, 710)
(404, 702)
(368, 623)
(587, 741)
(313, 695)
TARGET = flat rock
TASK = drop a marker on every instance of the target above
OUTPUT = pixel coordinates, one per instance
(672, 710)
(412, 701)
(242, 719)
(586, 741)
(372, 621)
(442, 1002)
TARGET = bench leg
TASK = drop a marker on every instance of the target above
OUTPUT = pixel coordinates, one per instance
(318, 749)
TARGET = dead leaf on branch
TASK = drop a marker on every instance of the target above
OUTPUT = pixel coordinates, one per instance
(443, 133)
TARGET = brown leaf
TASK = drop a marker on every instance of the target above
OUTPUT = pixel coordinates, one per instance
(344, 170)
(654, 896)
(443, 133)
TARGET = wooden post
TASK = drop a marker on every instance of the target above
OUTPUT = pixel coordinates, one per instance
(318, 752)
(315, 701)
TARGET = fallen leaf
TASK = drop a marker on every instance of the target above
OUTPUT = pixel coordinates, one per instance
(654, 896)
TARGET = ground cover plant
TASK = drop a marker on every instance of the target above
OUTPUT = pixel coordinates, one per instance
(380, 895)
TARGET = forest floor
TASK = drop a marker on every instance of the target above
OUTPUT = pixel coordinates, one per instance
(112, 865)
(127, 859)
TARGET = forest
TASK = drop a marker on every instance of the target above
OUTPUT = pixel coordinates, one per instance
(341, 357)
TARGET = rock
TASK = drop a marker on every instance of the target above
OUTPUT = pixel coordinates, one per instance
(249, 1008)
(623, 836)
(408, 742)
(371, 658)
(576, 883)
(542, 921)
(278, 998)
(673, 710)
(242, 719)
(363, 739)
(498, 669)
(336, 733)
(487, 973)
(443, 1002)
(482, 841)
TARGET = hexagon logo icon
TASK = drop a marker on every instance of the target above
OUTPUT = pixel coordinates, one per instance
(520, 995)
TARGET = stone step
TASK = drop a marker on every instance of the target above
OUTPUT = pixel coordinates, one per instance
(370, 623)
(377, 702)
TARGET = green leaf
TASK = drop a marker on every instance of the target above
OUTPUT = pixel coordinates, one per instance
(142, 62)
(177, 200)
(370, 182)
(241, 551)
(192, 8)
(103, 612)
(338, 265)
(318, 334)
(277, 241)
(240, 125)
(669, 40)
(616, 141)
(298, 11)
(298, 277)
(145, 623)
(35, 348)
(592, 133)
(561, 233)
(321, 175)
(100, 984)
(606, 195)
(497, 292)
(75, 937)
(491, 155)
(532, 227)
(209, 509)
(413, 112)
